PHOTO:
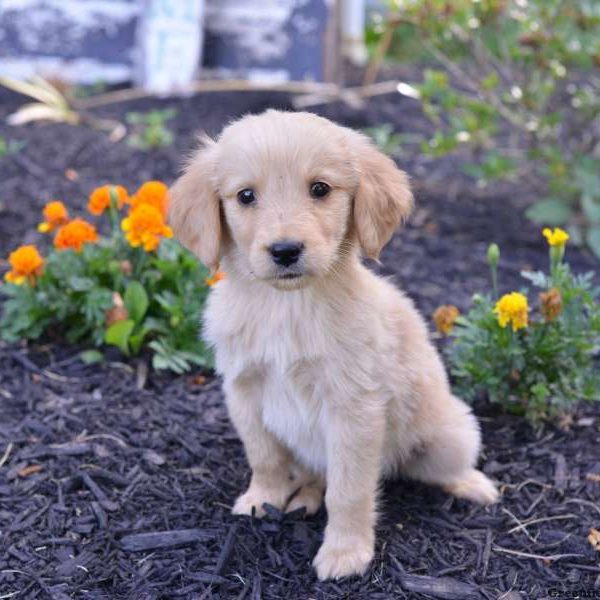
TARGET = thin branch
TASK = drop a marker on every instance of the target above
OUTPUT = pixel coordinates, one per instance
(231, 85)
(549, 557)
(6, 454)
(474, 87)
(543, 520)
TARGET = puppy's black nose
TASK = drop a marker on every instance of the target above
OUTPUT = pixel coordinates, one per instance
(286, 253)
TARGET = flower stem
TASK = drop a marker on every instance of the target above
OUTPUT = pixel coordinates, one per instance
(113, 211)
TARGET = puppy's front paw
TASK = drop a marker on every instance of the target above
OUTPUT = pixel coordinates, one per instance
(255, 497)
(343, 557)
(474, 486)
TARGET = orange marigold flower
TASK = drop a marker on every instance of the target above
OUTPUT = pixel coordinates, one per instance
(74, 235)
(210, 281)
(551, 304)
(444, 318)
(155, 193)
(55, 215)
(26, 264)
(145, 226)
(100, 198)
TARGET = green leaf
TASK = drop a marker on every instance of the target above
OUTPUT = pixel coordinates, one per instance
(550, 211)
(118, 334)
(91, 357)
(81, 284)
(136, 301)
(593, 240)
(591, 208)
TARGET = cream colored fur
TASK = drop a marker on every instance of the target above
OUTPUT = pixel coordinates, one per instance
(330, 378)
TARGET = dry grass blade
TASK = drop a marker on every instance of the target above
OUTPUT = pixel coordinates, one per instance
(51, 106)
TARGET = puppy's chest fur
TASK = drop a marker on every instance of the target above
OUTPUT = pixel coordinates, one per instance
(287, 350)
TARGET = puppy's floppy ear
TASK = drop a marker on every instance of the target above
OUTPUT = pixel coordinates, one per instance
(383, 199)
(194, 211)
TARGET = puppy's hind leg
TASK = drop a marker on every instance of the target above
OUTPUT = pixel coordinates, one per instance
(449, 454)
(310, 493)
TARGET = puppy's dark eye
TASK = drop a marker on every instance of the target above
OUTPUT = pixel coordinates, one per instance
(246, 196)
(319, 189)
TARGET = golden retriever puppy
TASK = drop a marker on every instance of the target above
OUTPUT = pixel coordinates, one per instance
(329, 374)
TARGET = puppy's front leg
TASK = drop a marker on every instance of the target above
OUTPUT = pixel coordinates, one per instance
(269, 460)
(355, 435)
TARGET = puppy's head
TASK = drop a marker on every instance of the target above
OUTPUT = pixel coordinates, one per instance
(285, 196)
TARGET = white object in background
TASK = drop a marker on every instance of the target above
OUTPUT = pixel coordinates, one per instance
(170, 42)
(352, 20)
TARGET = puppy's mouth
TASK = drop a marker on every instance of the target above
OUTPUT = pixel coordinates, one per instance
(289, 281)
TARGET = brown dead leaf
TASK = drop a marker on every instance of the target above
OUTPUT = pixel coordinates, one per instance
(197, 380)
(30, 470)
(71, 174)
(118, 312)
(595, 477)
(594, 539)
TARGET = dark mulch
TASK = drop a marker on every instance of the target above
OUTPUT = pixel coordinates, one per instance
(112, 491)
(109, 491)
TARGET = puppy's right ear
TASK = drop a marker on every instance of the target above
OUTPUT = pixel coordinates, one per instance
(194, 211)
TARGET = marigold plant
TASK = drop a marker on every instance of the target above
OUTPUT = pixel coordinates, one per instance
(539, 360)
(120, 281)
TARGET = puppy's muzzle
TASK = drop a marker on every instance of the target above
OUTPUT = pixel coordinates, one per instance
(286, 253)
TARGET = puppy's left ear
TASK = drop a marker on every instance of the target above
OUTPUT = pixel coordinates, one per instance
(383, 199)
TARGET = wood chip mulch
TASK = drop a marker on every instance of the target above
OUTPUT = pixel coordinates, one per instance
(110, 491)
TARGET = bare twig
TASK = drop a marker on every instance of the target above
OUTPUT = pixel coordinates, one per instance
(474, 87)
(542, 520)
(352, 96)
(231, 85)
(380, 52)
(520, 526)
(549, 557)
(104, 436)
(584, 502)
(6, 454)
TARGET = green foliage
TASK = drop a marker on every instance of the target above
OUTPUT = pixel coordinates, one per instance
(383, 135)
(10, 146)
(150, 128)
(116, 294)
(543, 369)
(520, 88)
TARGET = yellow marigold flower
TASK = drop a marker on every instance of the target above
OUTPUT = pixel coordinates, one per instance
(551, 304)
(74, 235)
(444, 318)
(512, 308)
(145, 226)
(556, 236)
(55, 215)
(210, 281)
(99, 199)
(26, 264)
(155, 193)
